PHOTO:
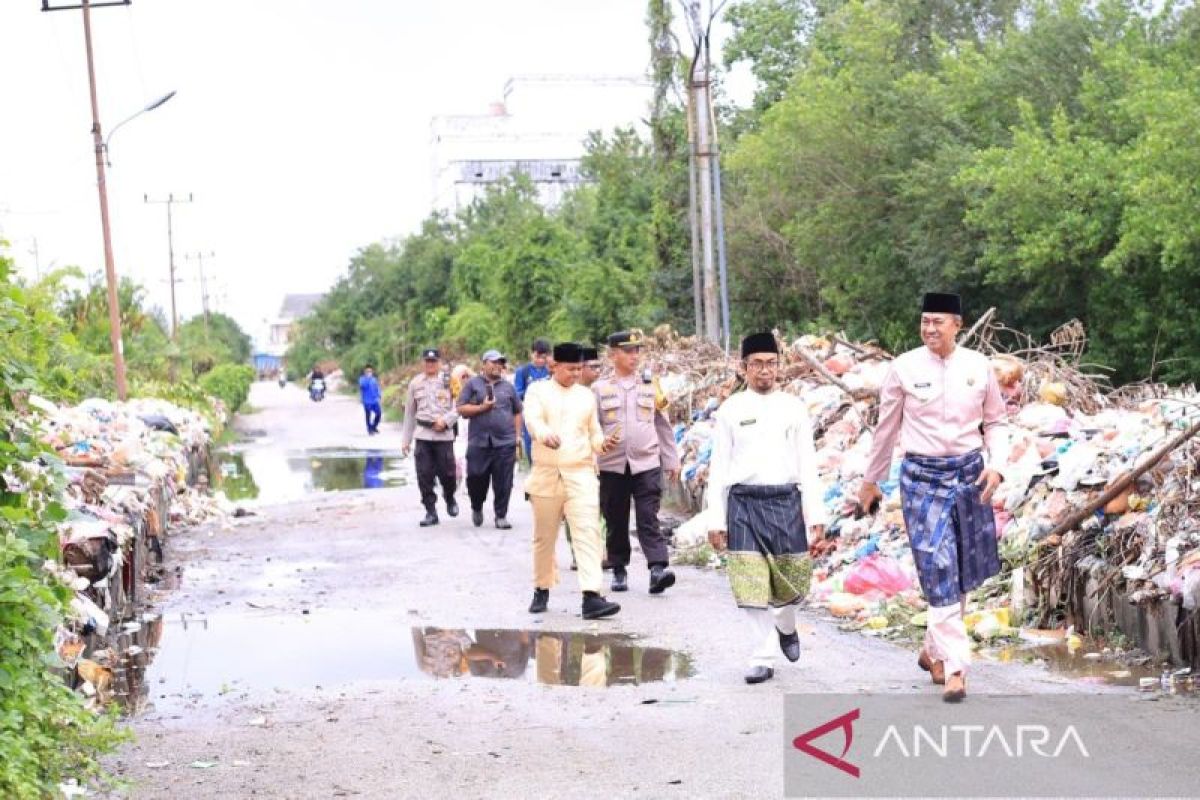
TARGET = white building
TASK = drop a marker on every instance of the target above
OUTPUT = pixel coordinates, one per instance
(538, 130)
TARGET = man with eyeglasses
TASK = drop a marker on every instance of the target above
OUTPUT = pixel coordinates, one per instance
(765, 502)
(492, 405)
(943, 403)
(633, 471)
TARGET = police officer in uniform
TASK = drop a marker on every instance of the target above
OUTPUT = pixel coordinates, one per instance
(631, 407)
(429, 414)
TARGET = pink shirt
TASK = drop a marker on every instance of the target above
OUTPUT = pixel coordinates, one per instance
(938, 407)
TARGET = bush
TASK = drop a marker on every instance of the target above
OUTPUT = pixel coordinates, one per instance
(230, 383)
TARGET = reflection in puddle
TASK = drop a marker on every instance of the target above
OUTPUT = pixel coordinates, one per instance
(272, 475)
(202, 657)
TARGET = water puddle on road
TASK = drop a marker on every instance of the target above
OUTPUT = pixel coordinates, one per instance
(1087, 665)
(270, 475)
(198, 658)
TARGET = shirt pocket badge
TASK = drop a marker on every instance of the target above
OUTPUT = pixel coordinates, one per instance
(645, 407)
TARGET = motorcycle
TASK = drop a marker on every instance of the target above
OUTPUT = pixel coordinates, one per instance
(316, 390)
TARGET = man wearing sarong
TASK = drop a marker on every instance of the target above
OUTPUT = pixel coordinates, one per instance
(943, 403)
(565, 431)
(763, 490)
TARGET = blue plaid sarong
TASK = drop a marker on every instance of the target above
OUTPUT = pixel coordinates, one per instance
(952, 531)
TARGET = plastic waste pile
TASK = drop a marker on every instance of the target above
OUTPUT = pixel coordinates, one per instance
(1070, 440)
(128, 467)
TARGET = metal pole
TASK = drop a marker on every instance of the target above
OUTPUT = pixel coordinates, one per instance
(700, 87)
(170, 201)
(726, 323)
(110, 270)
(693, 218)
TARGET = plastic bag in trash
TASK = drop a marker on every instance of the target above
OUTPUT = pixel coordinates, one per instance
(877, 575)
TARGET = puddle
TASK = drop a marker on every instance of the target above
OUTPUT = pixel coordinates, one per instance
(270, 475)
(1058, 658)
(198, 658)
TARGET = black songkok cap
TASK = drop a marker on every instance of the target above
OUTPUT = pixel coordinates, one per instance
(941, 303)
(759, 343)
(568, 353)
(590, 353)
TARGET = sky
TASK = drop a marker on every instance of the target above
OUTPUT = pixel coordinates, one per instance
(300, 128)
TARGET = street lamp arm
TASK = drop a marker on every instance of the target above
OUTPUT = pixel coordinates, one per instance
(160, 101)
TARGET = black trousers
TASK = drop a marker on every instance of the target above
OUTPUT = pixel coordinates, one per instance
(490, 465)
(645, 490)
(435, 461)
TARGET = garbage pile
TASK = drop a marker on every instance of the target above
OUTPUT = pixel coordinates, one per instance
(1073, 442)
(134, 471)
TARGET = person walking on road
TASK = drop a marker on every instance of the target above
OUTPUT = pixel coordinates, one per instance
(492, 405)
(766, 504)
(634, 470)
(562, 421)
(429, 415)
(368, 389)
(529, 374)
(944, 405)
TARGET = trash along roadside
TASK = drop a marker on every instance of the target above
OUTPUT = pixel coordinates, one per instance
(1097, 516)
(134, 471)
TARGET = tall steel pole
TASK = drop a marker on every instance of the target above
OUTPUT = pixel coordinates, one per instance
(110, 270)
(699, 85)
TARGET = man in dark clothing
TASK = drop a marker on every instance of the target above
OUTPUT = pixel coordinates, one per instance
(368, 388)
(492, 405)
(536, 370)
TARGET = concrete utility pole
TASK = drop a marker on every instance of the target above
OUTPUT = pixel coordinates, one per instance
(170, 201)
(700, 98)
(199, 258)
(110, 270)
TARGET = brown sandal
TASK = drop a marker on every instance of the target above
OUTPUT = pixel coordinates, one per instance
(956, 688)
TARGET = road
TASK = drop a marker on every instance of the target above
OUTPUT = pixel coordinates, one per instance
(288, 661)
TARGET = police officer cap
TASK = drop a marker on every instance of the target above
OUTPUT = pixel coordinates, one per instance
(568, 353)
(625, 339)
(941, 303)
(759, 343)
(590, 353)
(431, 355)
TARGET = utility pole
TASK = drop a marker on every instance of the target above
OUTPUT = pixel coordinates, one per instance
(699, 86)
(199, 257)
(170, 201)
(110, 270)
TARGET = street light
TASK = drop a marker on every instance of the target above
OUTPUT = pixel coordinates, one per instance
(160, 101)
(99, 144)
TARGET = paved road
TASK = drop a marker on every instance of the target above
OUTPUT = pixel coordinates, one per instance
(299, 674)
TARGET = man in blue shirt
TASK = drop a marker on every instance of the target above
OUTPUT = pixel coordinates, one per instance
(536, 370)
(368, 388)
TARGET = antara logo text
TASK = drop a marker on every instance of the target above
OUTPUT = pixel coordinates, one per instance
(943, 741)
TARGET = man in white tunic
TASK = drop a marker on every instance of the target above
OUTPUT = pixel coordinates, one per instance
(763, 492)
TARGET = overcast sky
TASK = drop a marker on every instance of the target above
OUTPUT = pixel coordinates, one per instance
(301, 127)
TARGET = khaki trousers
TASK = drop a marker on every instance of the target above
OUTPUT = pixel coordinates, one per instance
(575, 493)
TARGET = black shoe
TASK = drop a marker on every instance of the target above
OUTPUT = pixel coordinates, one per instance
(789, 643)
(452, 507)
(541, 597)
(759, 674)
(503, 524)
(620, 582)
(661, 579)
(596, 606)
(476, 517)
(431, 518)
